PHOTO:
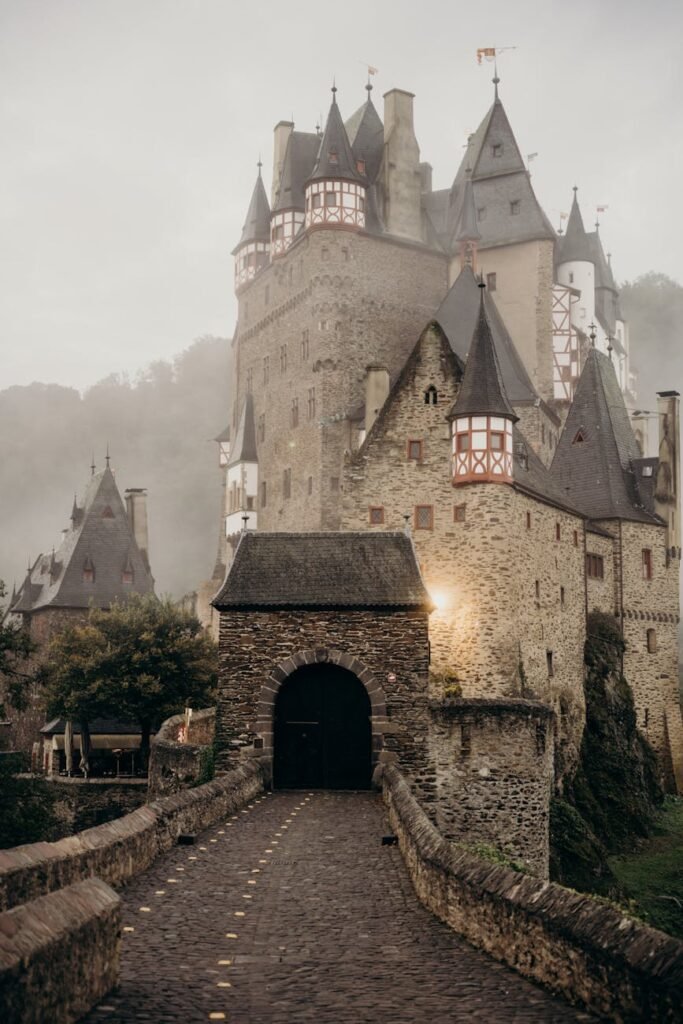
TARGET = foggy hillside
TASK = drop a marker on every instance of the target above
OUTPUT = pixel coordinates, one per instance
(653, 306)
(159, 429)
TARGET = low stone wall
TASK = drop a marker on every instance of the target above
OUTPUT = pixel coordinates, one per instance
(123, 848)
(86, 803)
(59, 954)
(174, 764)
(576, 946)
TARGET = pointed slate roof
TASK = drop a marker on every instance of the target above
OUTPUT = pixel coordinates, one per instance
(458, 314)
(366, 135)
(575, 244)
(482, 391)
(244, 448)
(100, 539)
(466, 228)
(324, 570)
(257, 225)
(498, 181)
(597, 456)
(335, 157)
(300, 156)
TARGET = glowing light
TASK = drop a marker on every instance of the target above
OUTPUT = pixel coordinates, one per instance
(442, 600)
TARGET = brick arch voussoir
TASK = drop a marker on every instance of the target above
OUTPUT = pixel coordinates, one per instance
(318, 656)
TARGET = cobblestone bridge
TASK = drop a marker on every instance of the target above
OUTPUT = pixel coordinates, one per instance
(293, 911)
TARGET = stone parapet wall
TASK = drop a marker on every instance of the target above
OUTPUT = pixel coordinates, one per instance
(59, 954)
(177, 764)
(580, 948)
(494, 776)
(123, 848)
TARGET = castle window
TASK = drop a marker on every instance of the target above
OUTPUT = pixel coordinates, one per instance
(107, 512)
(491, 282)
(278, 232)
(294, 414)
(283, 358)
(88, 571)
(497, 441)
(515, 207)
(465, 740)
(459, 513)
(266, 369)
(528, 520)
(345, 254)
(264, 493)
(647, 470)
(286, 483)
(550, 663)
(562, 596)
(595, 567)
(646, 718)
(305, 349)
(262, 427)
(578, 438)
(330, 199)
(558, 531)
(647, 564)
(415, 450)
(310, 485)
(424, 517)
(316, 200)
(651, 641)
(462, 443)
(311, 403)
(538, 589)
(333, 156)
(481, 213)
(334, 484)
(376, 515)
(127, 576)
(576, 538)
(431, 395)
(497, 149)
(361, 204)
(360, 166)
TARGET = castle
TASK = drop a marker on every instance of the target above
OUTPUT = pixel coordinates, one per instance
(443, 360)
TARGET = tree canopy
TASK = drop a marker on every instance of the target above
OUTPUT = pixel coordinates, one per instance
(139, 661)
(16, 648)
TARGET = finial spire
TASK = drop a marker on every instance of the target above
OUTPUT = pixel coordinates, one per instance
(259, 164)
(92, 464)
(245, 520)
(496, 79)
(592, 335)
(106, 458)
(575, 189)
(334, 90)
(610, 347)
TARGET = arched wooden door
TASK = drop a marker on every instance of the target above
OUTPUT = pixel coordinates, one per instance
(322, 734)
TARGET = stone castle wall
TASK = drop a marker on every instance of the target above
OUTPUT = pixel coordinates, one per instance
(258, 650)
(601, 593)
(494, 776)
(353, 299)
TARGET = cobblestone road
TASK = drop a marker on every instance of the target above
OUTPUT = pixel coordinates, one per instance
(291, 912)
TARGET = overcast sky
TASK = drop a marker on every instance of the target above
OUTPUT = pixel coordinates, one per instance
(130, 131)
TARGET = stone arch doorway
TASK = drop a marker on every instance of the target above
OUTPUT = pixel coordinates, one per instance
(322, 734)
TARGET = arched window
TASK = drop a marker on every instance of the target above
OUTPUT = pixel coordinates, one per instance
(431, 395)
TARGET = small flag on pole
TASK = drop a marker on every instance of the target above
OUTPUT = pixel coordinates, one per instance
(530, 157)
(602, 209)
(371, 70)
(564, 216)
(486, 51)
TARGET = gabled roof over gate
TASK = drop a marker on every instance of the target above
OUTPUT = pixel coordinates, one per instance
(324, 570)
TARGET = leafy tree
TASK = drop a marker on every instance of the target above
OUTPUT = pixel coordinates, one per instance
(16, 648)
(143, 661)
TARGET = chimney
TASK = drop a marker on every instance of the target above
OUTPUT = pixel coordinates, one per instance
(376, 393)
(281, 133)
(401, 176)
(136, 506)
(667, 487)
(426, 178)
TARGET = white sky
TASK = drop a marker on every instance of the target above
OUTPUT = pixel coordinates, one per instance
(130, 131)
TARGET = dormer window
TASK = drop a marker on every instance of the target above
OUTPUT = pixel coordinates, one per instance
(431, 395)
(107, 512)
(88, 571)
(497, 149)
(579, 437)
(316, 201)
(647, 470)
(127, 576)
(333, 156)
(515, 207)
(360, 166)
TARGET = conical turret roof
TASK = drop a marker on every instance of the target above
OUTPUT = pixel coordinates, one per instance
(257, 225)
(365, 132)
(466, 229)
(482, 391)
(575, 244)
(335, 157)
(244, 448)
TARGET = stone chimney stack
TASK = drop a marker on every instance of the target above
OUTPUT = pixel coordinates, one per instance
(281, 133)
(426, 178)
(667, 487)
(401, 176)
(376, 393)
(136, 506)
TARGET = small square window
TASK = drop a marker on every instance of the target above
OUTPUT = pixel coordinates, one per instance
(515, 206)
(330, 199)
(558, 531)
(651, 641)
(497, 442)
(491, 282)
(424, 517)
(376, 515)
(647, 564)
(459, 513)
(497, 149)
(462, 443)
(415, 450)
(528, 520)
(316, 201)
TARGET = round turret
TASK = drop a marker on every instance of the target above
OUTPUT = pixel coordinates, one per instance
(252, 252)
(335, 191)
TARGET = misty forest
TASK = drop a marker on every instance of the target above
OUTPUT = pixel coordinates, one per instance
(160, 426)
